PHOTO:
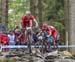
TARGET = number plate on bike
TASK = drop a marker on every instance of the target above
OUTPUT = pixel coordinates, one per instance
(40, 37)
(28, 28)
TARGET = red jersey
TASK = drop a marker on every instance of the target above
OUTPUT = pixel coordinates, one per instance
(22, 37)
(5, 39)
(54, 32)
(17, 34)
(26, 22)
(1, 35)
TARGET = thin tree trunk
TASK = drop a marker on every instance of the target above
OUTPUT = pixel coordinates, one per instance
(0, 8)
(72, 24)
(33, 8)
(40, 12)
(66, 22)
(5, 11)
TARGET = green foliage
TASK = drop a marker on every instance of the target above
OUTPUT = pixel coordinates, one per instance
(16, 10)
(53, 12)
(58, 25)
(53, 9)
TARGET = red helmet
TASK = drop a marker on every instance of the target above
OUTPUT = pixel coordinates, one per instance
(45, 25)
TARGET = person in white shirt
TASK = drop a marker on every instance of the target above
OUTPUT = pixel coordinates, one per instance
(11, 37)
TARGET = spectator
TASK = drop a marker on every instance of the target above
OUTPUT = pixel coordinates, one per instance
(1, 35)
(17, 34)
(2, 27)
(11, 37)
(5, 40)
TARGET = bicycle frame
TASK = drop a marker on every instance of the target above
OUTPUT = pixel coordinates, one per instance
(29, 34)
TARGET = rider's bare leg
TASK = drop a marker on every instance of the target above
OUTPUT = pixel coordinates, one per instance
(26, 37)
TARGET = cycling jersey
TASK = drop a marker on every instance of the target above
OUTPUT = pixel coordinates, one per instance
(27, 22)
(54, 32)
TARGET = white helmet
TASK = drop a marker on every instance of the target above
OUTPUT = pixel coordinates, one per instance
(28, 12)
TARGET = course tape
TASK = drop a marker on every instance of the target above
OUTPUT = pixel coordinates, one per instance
(32, 46)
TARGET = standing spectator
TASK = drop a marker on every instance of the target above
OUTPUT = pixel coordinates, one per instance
(2, 27)
(19, 37)
(11, 37)
(1, 35)
(5, 39)
(17, 34)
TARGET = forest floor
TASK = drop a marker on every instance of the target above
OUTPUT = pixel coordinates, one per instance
(36, 56)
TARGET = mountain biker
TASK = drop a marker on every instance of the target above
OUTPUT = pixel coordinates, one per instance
(50, 33)
(27, 21)
(47, 32)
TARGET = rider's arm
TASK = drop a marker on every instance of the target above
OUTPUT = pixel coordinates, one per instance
(35, 22)
(39, 33)
(23, 22)
(49, 33)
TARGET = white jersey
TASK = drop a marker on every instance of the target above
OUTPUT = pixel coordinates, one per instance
(11, 39)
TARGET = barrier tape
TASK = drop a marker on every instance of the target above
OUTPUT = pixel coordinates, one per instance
(32, 46)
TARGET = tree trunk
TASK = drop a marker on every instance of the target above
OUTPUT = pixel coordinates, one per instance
(0, 8)
(4, 11)
(72, 24)
(40, 12)
(36, 10)
(33, 8)
(66, 22)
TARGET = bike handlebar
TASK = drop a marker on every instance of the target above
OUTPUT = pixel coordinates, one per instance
(29, 28)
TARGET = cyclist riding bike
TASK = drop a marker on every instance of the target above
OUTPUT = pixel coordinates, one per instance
(47, 33)
(50, 34)
(27, 20)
